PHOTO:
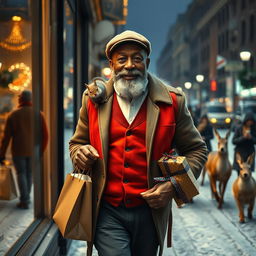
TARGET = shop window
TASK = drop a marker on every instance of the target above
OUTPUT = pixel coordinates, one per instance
(68, 97)
(16, 174)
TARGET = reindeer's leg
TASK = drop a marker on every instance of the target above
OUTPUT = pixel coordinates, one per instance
(240, 207)
(213, 187)
(222, 192)
(250, 208)
(203, 175)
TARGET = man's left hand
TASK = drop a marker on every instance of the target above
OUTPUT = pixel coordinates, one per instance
(159, 195)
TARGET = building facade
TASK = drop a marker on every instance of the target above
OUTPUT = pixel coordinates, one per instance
(213, 32)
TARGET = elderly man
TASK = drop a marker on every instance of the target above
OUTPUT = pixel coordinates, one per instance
(121, 139)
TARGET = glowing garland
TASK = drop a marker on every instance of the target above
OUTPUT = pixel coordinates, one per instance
(15, 41)
(23, 79)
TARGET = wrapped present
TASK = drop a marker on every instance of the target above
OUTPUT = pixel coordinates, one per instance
(176, 169)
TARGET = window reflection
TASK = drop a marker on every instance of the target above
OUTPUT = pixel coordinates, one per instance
(16, 129)
(68, 100)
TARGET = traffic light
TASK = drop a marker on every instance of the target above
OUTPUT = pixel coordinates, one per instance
(213, 85)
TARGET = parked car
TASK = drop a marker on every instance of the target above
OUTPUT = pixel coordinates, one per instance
(218, 115)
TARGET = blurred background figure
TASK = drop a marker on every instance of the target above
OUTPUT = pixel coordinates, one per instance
(19, 129)
(206, 131)
(195, 119)
(244, 140)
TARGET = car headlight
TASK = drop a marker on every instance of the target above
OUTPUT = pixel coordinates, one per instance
(213, 120)
(227, 120)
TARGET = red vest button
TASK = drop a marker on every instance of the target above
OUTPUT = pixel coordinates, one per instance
(128, 133)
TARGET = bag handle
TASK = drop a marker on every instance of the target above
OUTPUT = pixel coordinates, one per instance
(84, 172)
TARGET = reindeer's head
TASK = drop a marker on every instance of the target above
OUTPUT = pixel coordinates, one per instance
(245, 167)
(222, 142)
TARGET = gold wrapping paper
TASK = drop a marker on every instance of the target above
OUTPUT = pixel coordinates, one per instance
(182, 177)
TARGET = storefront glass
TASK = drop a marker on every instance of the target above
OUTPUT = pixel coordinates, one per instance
(16, 194)
(68, 99)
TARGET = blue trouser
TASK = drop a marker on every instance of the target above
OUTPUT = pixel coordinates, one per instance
(24, 173)
(122, 231)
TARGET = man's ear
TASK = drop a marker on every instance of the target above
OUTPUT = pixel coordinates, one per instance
(147, 62)
(110, 64)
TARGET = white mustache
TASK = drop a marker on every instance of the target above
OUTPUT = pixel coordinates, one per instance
(128, 73)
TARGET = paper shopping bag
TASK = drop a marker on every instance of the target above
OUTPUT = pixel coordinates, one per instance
(8, 187)
(73, 212)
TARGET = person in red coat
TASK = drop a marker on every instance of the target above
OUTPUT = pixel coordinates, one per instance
(120, 138)
(19, 130)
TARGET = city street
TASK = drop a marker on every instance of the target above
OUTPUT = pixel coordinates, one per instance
(201, 229)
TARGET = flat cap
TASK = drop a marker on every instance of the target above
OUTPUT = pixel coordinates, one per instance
(127, 36)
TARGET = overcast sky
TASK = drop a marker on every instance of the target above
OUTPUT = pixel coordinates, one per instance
(153, 18)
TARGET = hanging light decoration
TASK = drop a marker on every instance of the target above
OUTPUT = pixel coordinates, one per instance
(23, 79)
(15, 41)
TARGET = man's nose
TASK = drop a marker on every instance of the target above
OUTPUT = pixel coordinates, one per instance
(129, 64)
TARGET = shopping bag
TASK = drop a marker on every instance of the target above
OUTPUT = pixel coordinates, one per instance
(73, 212)
(8, 187)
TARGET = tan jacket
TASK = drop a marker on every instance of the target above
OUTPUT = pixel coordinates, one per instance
(187, 140)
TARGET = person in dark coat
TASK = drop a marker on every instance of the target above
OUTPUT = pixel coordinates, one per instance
(206, 131)
(195, 120)
(244, 140)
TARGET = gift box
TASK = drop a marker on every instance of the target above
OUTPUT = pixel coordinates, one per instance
(176, 169)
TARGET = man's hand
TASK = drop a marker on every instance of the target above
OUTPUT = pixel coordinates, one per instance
(85, 157)
(159, 195)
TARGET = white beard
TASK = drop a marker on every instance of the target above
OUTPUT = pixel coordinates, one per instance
(130, 89)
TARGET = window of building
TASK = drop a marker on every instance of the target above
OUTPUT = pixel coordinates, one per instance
(243, 4)
(234, 7)
(227, 12)
(227, 39)
(252, 28)
(243, 32)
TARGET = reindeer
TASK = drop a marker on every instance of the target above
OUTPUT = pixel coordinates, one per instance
(203, 175)
(244, 187)
(219, 168)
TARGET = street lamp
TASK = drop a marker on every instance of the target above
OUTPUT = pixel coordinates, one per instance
(200, 79)
(106, 71)
(188, 85)
(245, 55)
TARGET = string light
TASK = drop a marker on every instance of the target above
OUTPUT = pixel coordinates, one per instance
(23, 79)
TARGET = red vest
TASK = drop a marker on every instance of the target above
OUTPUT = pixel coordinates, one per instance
(127, 160)
(127, 148)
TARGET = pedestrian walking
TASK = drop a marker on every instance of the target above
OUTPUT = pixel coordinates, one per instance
(244, 140)
(192, 113)
(121, 139)
(19, 130)
(206, 131)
